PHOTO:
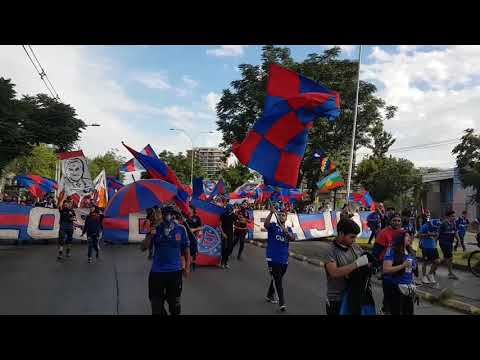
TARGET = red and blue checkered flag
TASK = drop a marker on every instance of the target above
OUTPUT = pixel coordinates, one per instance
(37, 185)
(218, 190)
(363, 199)
(276, 144)
(134, 164)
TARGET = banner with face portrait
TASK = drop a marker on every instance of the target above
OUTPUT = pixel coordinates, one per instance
(76, 181)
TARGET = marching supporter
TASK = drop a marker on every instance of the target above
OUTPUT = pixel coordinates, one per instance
(240, 228)
(181, 220)
(346, 213)
(226, 227)
(374, 222)
(384, 240)
(279, 237)
(92, 227)
(428, 244)
(398, 266)
(446, 235)
(195, 225)
(165, 279)
(65, 236)
(462, 226)
(344, 256)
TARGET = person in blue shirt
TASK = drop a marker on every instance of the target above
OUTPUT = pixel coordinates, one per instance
(165, 279)
(374, 221)
(93, 227)
(428, 244)
(462, 227)
(279, 237)
(446, 235)
(399, 265)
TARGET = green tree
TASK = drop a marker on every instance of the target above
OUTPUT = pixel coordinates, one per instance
(236, 175)
(468, 162)
(387, 178)
(41, 162)
(242, 104)
(34, 120)
(110, 161)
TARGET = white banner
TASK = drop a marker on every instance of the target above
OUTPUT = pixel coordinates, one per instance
(76, 180)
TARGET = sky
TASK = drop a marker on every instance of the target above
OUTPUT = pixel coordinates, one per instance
(138, 93)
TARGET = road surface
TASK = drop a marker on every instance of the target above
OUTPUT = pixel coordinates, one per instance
(33, 282)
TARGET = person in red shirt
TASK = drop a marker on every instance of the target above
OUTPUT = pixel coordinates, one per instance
(383, 241)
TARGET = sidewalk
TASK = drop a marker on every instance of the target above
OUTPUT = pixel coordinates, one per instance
(464, 294)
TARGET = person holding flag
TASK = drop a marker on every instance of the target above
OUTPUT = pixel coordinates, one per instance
(279, 237)
(65, 235)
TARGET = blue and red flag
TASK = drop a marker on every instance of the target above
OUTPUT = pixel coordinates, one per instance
(134, 164)
(247, 190)
(114, 184)
(276, 144)
(37, 185)
(209, 213)
(363, 198)
(158, 169)
(219, 189)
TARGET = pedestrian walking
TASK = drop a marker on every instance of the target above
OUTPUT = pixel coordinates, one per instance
(447, 233)
(226, 227)
(399, 265)
(165, 279)
(428, 245)
(279, 237)
(65, 235)
(374, 222)
(92, 227)
(344, 256)
(196, 226)
(462, 224)
(240, 228)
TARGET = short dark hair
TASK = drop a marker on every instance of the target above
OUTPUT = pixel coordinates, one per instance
(464, 212)
(348, 226)
(450, 212)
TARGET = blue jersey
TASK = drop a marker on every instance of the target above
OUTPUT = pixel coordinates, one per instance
(168, 248)
(407, 277)
(446, 233)
(462, 225)
(428, 242)
(277, 244)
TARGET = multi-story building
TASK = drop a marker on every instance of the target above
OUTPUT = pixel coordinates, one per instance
(211, 160)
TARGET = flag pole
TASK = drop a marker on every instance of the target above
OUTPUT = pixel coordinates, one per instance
(350, 166)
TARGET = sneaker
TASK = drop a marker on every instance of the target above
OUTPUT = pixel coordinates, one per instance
(271, 300)
(431, 277)
(425, 280)
(89, 260)
(68, 253)
(452, 276)
(227, 266)
(283, 308)
(221, 266)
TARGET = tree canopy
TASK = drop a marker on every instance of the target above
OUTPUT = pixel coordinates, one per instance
(41, 161)
(236, 175)
(242, 103)
(110, 161)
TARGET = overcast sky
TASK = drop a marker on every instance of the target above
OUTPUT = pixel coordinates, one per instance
(137, 93)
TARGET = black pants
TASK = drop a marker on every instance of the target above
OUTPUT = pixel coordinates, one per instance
(276, 271)
(227, 246)
(333, 307)
(92, 244)
(165, 286)
(239, 238)
(372, 235)
(398, 303)
(65, 235)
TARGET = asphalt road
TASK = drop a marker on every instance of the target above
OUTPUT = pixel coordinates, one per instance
(33, 282)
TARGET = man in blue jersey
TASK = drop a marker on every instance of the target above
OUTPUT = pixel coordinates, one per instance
(462, 227)
(447, 233)
(165, 279)
(428, 244)
(279, 237)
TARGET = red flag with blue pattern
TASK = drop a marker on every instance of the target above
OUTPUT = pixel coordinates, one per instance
(134, 164)
(276, 143)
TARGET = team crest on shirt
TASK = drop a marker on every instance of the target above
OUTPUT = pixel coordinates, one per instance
(178, 237)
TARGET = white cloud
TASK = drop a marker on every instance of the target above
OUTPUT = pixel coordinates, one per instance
(152, 80)
(227, 50)
(437, 94)
(190, 83)
(212, 100)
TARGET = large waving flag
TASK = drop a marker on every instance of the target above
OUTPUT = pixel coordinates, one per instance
(209, 213)
(113, 184)
(330, 182)
(326, 165)
(276, 144)
(158, 169)
(37, 185)
(202, 189)
(247, 190)
(134, 164)
(218, 190)
(364, 198)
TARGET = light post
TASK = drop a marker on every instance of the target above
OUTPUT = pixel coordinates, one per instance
(193, 146)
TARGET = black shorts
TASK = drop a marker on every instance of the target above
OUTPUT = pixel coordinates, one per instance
(430, 254)
(165, 285)
(447, 250)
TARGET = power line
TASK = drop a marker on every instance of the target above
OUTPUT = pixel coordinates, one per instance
(426, 146)
(41, 73)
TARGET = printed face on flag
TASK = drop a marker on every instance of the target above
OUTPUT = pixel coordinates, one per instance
(74, 169)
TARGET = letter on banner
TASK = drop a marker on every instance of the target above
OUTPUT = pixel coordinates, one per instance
(43, 223)
(259, 231)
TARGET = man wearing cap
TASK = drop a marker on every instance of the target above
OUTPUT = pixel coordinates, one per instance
(165, 279)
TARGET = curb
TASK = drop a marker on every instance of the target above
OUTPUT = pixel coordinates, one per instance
(449, 303)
